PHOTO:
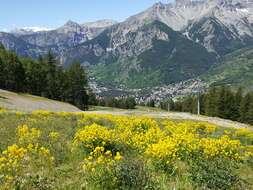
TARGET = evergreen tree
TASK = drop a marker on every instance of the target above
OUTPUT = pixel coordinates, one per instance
(2, 81)
(202, 104)
(50, 70)
(211, 102)
(44, 77)
(14, 73)
(221, 101)
(151, 103)
(77, 86)
(238, 100)
(34, 80)
(245, 108)
(230, 106)
(130, 103)
(92, 99)
(187, 104)
(249, 114)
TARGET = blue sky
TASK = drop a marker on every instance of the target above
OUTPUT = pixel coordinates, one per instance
(54, 13)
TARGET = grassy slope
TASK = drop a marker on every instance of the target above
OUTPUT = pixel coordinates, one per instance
(66, 174)
(27, 103)
(236, 70)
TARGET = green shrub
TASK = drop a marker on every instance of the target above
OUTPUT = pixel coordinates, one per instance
(133, 174)
(215, 174)
(126, 175)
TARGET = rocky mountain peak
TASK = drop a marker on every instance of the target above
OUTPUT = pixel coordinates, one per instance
(100, 23)
(183, 2)
(159, 5)
(71, 23)
(69, 27)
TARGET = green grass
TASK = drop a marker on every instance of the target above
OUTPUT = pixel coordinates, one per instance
(66, 173)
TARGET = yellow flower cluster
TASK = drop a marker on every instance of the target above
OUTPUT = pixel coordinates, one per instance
(100, 157)
(54, 135)
(244, 133)
(187, 139)
(27, 135)
(223, 147)
(176, 146)
(172, 140)
(11, 157)
(17, 157)
(202, 128)
(136, 132)
(93, 136)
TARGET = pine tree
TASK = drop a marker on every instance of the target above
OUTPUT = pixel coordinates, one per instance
(77, 86)
(150, 103)
(14, 73)
(2, 81)
(130, 103)
(245, 107)
(187, 104)
(229, 104)
(238, 100)
(211, 102)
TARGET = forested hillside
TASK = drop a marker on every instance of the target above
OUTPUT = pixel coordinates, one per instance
(43, 77)
(219, 102)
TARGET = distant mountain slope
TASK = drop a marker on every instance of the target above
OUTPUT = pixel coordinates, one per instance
(152, 55)
(23, 48)
(215, 36)
(62, 38)
(28, 103)
(236, 69)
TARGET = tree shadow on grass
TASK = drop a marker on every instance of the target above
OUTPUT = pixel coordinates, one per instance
(1, 97)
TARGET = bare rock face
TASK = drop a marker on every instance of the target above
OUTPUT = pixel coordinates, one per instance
(18, 45)
(233, 16)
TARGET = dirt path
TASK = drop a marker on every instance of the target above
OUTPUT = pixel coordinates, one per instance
(28, 103)
(179, 116)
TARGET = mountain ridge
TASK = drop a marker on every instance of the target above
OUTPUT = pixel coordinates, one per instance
(214, 28)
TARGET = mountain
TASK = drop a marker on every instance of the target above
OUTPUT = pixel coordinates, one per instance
(167, 43)
(17, 44)
(93, 29)
(154, 54)
(221, 26)
(62, 38)
(202, 21)
(236, 69)
(28, 30)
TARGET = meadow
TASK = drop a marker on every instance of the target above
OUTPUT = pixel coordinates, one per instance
(49, 150)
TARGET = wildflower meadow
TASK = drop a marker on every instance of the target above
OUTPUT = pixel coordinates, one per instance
(45, 150)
